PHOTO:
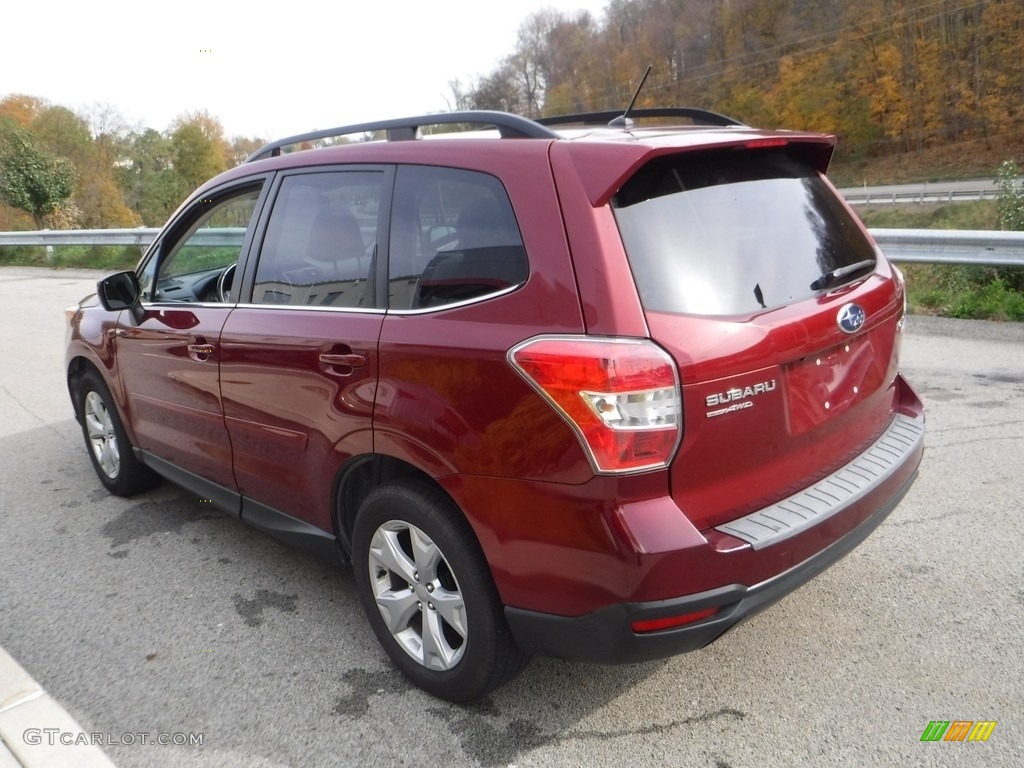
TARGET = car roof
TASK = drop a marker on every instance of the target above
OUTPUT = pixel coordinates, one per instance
(603, 155)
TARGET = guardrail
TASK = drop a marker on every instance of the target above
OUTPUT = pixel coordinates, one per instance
(928, 192)
(975, 247)
(921, 246)
(919, 196)
(142, 237)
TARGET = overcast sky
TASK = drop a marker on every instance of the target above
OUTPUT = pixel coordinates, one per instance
(306, 65)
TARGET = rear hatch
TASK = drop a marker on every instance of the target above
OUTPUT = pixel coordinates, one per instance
(779, 311)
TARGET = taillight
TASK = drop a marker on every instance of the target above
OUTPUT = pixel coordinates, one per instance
(621, 396)
(901, 283)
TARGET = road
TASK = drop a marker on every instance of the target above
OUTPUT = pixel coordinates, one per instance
(160, 615)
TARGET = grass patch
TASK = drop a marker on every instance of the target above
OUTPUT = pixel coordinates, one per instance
(23, 256)
(995, 301)
(977, 293)
(981, 214)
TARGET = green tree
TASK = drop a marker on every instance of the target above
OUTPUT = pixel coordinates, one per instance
(1011, 217)
(63, 133)
(1011, 198)
(151, 187)
(198, 149)
(32, 179)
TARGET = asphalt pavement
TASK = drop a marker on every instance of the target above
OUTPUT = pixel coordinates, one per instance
(179, 637)
(35, 730)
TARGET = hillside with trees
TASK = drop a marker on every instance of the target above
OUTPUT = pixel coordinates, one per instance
(889, 77)
(911, 88)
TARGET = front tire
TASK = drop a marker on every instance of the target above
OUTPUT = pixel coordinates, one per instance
(428, 593)
(107, 442)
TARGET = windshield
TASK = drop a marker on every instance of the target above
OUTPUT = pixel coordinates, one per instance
(735, 232)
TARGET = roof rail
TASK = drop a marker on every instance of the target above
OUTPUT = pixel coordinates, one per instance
(700, 116)
(405, 128)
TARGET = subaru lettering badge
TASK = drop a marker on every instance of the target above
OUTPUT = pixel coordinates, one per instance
(850, 318)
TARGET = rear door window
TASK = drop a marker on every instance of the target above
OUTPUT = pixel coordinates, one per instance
(453, 238)
(730, 233)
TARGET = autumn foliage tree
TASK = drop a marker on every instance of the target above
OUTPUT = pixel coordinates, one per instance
(888, 76)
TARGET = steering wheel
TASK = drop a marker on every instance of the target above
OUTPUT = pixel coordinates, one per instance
(224, 281)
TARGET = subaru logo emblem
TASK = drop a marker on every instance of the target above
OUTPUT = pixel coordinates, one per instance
(850, 318)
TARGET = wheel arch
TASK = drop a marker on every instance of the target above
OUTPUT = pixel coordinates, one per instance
(76, 369)
(77, 366)
(359, 477)
(119, 469)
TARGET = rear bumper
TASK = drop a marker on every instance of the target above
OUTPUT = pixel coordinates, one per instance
(606, 635)
(834, 494)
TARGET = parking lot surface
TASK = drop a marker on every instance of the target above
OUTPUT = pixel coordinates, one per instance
(160, 616)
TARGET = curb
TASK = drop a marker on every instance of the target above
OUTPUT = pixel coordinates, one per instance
(32, 724)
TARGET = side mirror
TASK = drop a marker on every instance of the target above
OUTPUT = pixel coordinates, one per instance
(121, 291)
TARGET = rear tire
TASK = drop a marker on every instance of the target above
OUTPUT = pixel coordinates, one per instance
(107, 442)
(428, 593)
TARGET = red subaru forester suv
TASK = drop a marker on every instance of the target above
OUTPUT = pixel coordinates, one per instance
(597, 392)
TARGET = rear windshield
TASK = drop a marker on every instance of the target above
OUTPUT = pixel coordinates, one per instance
(735, 232)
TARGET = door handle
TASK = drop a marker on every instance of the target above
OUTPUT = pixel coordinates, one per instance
(351, 360)
(200, 349)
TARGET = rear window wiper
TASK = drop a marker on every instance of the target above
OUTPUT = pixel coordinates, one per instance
(829, 278)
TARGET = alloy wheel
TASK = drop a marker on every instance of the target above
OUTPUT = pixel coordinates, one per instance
(101, 435)
(418, 595)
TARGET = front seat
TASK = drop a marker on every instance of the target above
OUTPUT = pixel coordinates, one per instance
(336, 243)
